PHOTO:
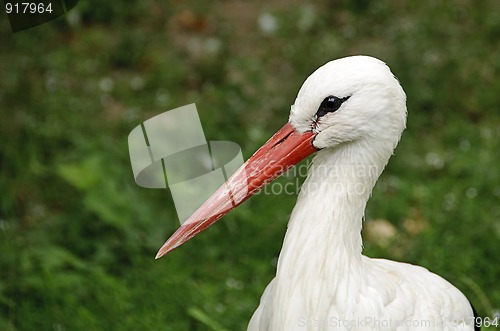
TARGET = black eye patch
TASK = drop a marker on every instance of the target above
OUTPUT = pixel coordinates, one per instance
(329, 105)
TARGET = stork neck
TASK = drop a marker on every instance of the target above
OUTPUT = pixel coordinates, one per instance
(325, 226)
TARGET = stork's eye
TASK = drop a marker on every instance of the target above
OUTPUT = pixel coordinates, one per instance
(329, 105)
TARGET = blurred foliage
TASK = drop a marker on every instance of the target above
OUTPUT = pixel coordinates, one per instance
(78, 237)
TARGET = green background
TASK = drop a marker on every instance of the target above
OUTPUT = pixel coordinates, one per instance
(78, 236)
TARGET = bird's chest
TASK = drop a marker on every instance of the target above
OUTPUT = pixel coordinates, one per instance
(318, 303)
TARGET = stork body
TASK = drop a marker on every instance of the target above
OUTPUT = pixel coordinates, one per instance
(323, 282)
(351, 111)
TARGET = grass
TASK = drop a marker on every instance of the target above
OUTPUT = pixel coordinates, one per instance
(78, 236)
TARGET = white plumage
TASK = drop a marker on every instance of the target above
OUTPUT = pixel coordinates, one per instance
(353, 110)
(323, 282)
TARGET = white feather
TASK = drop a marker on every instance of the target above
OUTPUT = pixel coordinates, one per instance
(323, 282)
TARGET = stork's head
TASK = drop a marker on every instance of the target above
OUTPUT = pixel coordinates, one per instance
(354, 99)
(351, 99)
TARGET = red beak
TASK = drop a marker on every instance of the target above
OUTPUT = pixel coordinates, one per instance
(284, 150)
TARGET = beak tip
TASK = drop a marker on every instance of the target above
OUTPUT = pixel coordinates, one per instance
(164, 250)
(167, 247)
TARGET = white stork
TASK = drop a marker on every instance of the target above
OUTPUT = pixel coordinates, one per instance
(352, 112)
